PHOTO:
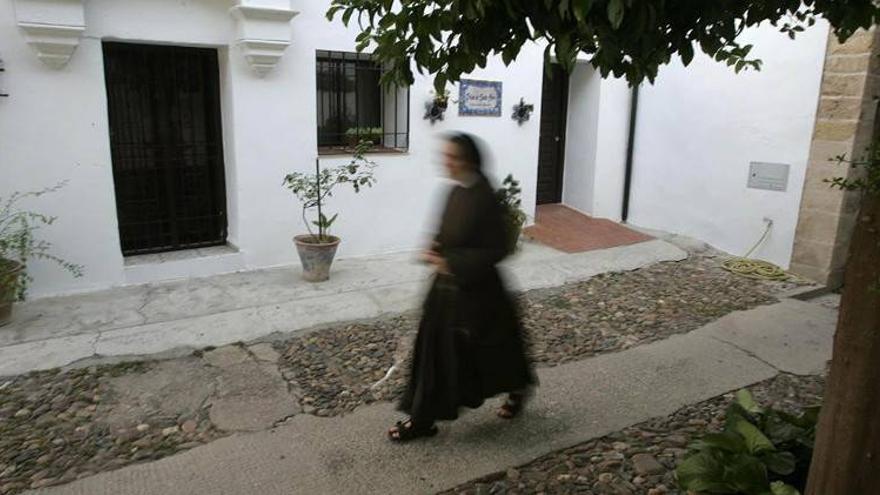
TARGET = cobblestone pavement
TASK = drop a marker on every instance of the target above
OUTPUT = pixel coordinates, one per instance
(640, 459)
(334, 370)
(58, 426)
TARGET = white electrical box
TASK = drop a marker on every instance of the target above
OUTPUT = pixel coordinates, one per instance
(769, 176)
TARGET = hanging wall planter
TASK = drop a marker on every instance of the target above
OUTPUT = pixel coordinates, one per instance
(522, 111)
(436, 108)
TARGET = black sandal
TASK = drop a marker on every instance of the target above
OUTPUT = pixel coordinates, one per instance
(407, 430)
(512, 406)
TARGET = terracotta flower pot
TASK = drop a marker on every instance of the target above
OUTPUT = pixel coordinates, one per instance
(10, 271)
(316, 257)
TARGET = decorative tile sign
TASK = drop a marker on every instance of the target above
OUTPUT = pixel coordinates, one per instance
(479, 98)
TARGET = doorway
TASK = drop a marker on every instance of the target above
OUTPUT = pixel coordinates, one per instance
(166, 146)
(551, 143)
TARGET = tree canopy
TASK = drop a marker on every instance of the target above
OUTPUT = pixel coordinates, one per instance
(626, 38)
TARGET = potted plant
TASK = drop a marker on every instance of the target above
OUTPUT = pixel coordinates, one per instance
(514, 218)
(371, 135)
(18, 245)
(435, 108)
(318, 248)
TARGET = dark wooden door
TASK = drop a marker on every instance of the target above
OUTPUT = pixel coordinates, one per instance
(166, 145)
(551, 148)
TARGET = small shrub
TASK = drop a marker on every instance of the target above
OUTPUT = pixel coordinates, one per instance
(312, 189)
(371, 135)
(509, 197)
(761, 451)
(19, 243)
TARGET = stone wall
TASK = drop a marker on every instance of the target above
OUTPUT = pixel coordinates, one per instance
(845, 124)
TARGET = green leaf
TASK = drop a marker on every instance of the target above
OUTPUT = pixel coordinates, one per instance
(782, 463)
(727, 441)
(508, 55)
(363, 35)
(756, 442)
(780, 429)
(702, 472)
(581, 8)
(687, 53)
(746, 474)
(331, 12)
(615, 13)
(440, 83)
(564, 7)
(810, 416)
(780, 488)
(564, 50)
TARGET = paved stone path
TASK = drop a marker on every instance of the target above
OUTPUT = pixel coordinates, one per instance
(177, 317)
(577, 401)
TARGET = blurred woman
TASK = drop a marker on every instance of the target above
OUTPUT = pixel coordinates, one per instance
(469, 345)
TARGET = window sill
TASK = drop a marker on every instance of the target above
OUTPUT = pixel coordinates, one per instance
(179, 255)
(377, 150)
(200, 262)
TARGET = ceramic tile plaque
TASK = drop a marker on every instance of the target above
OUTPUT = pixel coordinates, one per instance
(481, 98)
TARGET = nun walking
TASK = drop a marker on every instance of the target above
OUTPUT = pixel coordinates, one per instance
(470, 343)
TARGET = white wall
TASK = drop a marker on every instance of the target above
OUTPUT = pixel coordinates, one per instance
(54, 126)
(581, 136)
(700, 126)
(596, 138)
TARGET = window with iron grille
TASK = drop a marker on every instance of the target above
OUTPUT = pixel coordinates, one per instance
(353, 106)
(166, 146)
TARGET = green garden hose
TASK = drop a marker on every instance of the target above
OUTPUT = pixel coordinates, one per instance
(757, 269)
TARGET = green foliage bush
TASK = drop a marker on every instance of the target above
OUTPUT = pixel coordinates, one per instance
(19, 243)
(509, 195)
(371, 135)
(761, 451)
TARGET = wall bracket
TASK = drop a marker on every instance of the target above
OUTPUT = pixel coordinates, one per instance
(52, 27)
(263, 33)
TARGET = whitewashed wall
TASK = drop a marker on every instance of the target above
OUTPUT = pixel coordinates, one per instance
(581, 138)
(700, 126)
(54, 127)
(596, 139)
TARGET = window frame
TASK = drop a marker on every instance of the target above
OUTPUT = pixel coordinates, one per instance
(334, 104)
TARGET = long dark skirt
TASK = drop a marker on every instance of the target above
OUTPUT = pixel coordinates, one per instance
(460, 358)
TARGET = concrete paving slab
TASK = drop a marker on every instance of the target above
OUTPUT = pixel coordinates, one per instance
(173, 388)
(226, 356)
(350, 454)
(192, 333)
(307, 313)
(792, 336)
(45, 354)
(65, 316)
(251, 397)
(264, 352)
(399, 298)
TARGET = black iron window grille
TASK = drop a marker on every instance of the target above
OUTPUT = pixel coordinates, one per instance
(166, 146)
(353, 106)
